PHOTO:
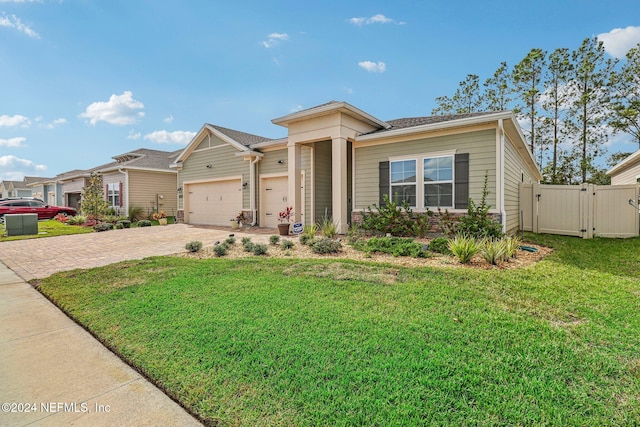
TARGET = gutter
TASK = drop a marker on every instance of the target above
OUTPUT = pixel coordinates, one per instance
(126, 186)
(252, 190)
(500, 180)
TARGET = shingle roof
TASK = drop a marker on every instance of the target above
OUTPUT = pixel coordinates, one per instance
(146, 159)
(409, 122)
(243, 138)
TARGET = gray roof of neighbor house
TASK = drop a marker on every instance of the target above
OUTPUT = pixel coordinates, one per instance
(243, 138)
(143, 158)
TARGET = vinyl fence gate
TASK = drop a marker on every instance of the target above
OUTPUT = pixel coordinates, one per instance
(585, 210)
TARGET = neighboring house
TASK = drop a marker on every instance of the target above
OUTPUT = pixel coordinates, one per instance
(17, 188)
(627, 171)
(338, 160)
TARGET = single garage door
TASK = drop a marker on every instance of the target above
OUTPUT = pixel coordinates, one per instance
(214, 203)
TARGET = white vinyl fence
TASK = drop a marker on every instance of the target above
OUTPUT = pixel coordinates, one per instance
(585, 210)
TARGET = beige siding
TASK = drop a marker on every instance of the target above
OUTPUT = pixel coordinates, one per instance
(482, 159)
(627, 176)
(515, 172)
(224, 163)
(145, 187)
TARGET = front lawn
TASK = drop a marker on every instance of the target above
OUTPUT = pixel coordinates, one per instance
(48, 228)
(332, 342)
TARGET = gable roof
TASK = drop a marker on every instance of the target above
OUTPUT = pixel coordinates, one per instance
(142, 159)
(329, 108)
(628, 162)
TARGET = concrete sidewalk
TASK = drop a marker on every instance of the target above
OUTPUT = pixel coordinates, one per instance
(55, 373)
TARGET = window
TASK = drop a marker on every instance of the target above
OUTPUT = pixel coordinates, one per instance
(403, 181)
(438, 181)
(114, 194)
(424, 182)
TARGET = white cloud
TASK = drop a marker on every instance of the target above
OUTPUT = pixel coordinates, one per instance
(618, 41)
(165, 137)
(296, 108)
(54, 123)
(12, 142)
(375, 19)
(274, 39)
(16, 120)
(119, 110)
(373, 67)
(134, 135)
(12, 21)
(168, 119)
(11, 161)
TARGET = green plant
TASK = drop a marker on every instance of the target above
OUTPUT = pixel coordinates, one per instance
(327, 227)
(310, 230)
(144, 223)
(512, 244)
(440, 245)
(135, 213)
(246, 240)
(119, 226)
(230, 241)
(396, 246)
(325, 245)
(103, 226)
(492, 250)
(125, 223)
(305, 238)
(259, 249)
(274, 239)
(248, 247)
(447, 222)
(477, 222)
(77, 220)
(220, 250)
(110, 212)
(93, 201)
(463, 247)
(193, 246)
(394, 219)
(287, 244)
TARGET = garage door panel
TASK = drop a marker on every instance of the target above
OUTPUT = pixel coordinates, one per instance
(214, 203)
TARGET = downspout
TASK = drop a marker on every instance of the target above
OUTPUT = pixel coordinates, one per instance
(126, 189)
(503, 212)
(252, 191)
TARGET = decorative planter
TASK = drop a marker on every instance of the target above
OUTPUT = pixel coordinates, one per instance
(283, 229)
(162, 221)
(234, 224)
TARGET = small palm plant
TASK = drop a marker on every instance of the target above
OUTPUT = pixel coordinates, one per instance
(463, 247)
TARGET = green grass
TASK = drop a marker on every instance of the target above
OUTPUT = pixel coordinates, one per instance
(289, 342)
(49, 228)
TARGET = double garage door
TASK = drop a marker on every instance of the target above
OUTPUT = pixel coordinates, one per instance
(213, 203)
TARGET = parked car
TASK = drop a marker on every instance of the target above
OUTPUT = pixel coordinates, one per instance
(24, 205)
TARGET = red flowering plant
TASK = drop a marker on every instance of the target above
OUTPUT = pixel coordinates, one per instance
(61, 217)
(286, 214)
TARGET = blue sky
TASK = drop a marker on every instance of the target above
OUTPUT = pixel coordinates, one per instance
(84, 80)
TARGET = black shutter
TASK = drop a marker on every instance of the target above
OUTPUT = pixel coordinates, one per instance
(461, 181)
(383, 179)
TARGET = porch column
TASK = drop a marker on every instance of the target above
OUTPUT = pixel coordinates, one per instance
(294, 170)
(339, 183)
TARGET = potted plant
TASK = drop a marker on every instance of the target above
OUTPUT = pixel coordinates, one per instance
(161, 217)
(235, 222)
(285, 218)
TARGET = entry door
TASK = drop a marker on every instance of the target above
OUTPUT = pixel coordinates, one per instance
(274, 198)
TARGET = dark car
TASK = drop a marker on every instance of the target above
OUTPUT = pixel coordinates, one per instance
(32, 205)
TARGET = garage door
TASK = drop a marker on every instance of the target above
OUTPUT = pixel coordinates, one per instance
(214, 203)
(274, 197)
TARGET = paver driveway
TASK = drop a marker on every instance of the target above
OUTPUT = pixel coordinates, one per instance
(39, 258)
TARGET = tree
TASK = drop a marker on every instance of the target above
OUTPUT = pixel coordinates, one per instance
(554, 102)
(93, 201)
(589, 92)
(468, 98)
(616, 158)
(445, 106)
(625, 98)
(498, 90)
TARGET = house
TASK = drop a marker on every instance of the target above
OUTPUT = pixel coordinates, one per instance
(337, 160)
(17, 188)
(627, 171)
(140, 178)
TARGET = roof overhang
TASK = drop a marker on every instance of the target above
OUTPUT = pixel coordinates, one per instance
(206, 130)
(629, 161)
(269, 144)
(330, 108)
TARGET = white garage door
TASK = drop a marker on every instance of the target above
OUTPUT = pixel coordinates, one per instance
(214, 203)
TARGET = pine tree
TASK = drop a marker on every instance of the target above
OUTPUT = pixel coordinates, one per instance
(625, 97)
(497, 92)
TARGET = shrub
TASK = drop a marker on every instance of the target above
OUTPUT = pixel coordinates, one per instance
(492, 250)
(124, 223)
(395, 246)
(274, 240)
(305, 238)
(103, 226)
(309, 230)
(325, 245)
(463, 247)
(287, 244)
(230, 241)
(144, 223)
(246, 240)
(220, 250)
(119, 225)
(61, 217)
(327, 227)
(512, 244)
(77, 220)
(440, 245)
(193, 246)
(259, 249)
(477, 222)
(248, 247)
(394, 219)
(135, 213)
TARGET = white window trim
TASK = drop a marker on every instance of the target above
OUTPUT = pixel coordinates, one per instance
(419, 158)
(113, 189)
(416, 183)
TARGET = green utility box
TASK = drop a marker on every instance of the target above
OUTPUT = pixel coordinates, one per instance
(21, 224)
